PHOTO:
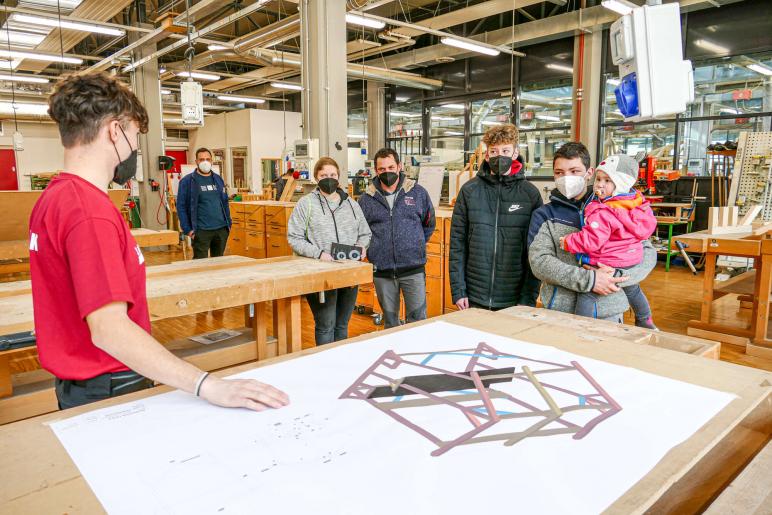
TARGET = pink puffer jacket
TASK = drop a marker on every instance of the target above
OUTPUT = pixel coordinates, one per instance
(613, 230)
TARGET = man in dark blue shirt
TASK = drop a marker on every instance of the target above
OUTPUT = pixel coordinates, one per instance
(202, 205)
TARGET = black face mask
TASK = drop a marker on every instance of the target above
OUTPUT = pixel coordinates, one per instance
(388, 178)
(127, 168)
(500, 165)
(328, 185)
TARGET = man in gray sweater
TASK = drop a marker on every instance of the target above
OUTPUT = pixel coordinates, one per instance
(558, 269)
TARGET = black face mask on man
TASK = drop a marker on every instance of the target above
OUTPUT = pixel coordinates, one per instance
(328, 185)
(388, 178)
(127, 168)
(500, 165)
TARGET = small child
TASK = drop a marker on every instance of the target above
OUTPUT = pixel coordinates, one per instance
(614, 223)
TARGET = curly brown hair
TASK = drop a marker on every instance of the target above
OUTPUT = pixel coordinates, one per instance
(324, 161)
(504, 134)
(80, 104)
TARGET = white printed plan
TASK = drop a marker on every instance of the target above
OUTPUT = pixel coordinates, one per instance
(435, 419)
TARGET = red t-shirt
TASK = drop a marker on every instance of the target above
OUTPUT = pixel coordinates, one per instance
(82, 257)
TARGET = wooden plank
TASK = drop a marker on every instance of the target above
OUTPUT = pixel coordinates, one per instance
(742, 284)
(710, 332)
(751, 215)
(751, 492)
(707, 288)
(280, 307)
(684, 480)
(759, 349)
(6, 386)
(293, 325)
(150, 238)
(259, 330)
(14, 249)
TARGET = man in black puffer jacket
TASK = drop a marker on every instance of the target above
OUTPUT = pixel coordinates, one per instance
(489, 232)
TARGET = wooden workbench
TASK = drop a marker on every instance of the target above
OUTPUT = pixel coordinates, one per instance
(185, 288)
(38, 475)
(756, 245)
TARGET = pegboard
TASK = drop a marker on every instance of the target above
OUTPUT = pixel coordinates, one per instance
(752, 178)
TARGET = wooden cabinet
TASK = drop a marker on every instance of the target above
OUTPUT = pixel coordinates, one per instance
(276, 245)
(236, 242)
(434, 269)
(255, 244)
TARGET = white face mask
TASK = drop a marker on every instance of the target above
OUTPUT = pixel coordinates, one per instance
(205, 166)
(571, 186)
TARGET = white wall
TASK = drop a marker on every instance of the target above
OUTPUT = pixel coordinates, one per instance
(43, 151)
(261, 131)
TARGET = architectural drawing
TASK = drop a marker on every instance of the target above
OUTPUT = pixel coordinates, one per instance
(501, 396)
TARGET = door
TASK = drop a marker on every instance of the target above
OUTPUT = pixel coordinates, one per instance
(8, 179)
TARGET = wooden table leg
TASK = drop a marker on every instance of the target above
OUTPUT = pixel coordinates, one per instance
(763, 287)
(280, 319)
(248, 315)
(707, 288)
(6, 387)
(260, 330)
(294, 341)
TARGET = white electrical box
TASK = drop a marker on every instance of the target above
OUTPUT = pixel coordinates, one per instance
(307, 149)
(655, 80)
(192, 99)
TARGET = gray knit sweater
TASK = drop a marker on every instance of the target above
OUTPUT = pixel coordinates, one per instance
(316, 224)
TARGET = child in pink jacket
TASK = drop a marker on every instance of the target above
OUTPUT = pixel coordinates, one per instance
(614, 223)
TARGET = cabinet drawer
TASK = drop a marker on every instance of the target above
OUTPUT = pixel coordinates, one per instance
(254, 226)
(276, 245)
(433, 296)
(236, 241)
(255, 240)
(255, 214)
(434, 266)
(437, 235)
(276, 229)
(277, 215)
(256, 253)
(434, 248)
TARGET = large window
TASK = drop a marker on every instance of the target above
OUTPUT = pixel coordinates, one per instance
(545, 123)
(405, 129)
(446, 140)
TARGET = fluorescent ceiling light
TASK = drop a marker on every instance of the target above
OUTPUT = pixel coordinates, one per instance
(547, 118)
(619, 6)
(357, 136)
(72, 25)
(489, 123)
(453, 133)
(466, 45)
(560, 67)
(72, 4)
(759, 68)
(199, 75)
(246, 100)
(21, 38)
(166, 92)
(217, 47)
(444, 118)
(287, 85)
(711, 47)
(728, 110)
(23, 78)
(453, 106)
(40, 57)
(23, 108)
(404, 115)
(161, 70)
(353, 19)
(614, 82)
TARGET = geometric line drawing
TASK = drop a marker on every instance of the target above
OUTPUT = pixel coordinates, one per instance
(496, 396)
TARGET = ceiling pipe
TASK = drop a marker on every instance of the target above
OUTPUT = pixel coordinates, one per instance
(273, 34)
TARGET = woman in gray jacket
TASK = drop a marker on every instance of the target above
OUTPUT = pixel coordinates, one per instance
(325, 216)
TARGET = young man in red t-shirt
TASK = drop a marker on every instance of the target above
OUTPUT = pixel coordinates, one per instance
(88, 273)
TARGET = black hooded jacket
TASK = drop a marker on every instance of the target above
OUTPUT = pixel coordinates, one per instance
(488, 240)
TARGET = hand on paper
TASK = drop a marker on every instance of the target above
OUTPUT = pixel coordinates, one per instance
(242, 393)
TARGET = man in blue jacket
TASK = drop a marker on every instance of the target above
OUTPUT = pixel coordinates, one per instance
(401, 218)
(202, 205)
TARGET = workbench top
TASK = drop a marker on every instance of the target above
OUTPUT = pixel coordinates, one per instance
(196, 286)
(38, 475)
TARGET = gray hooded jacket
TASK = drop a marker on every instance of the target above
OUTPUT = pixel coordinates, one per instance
(561, 277)
(315, 224)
